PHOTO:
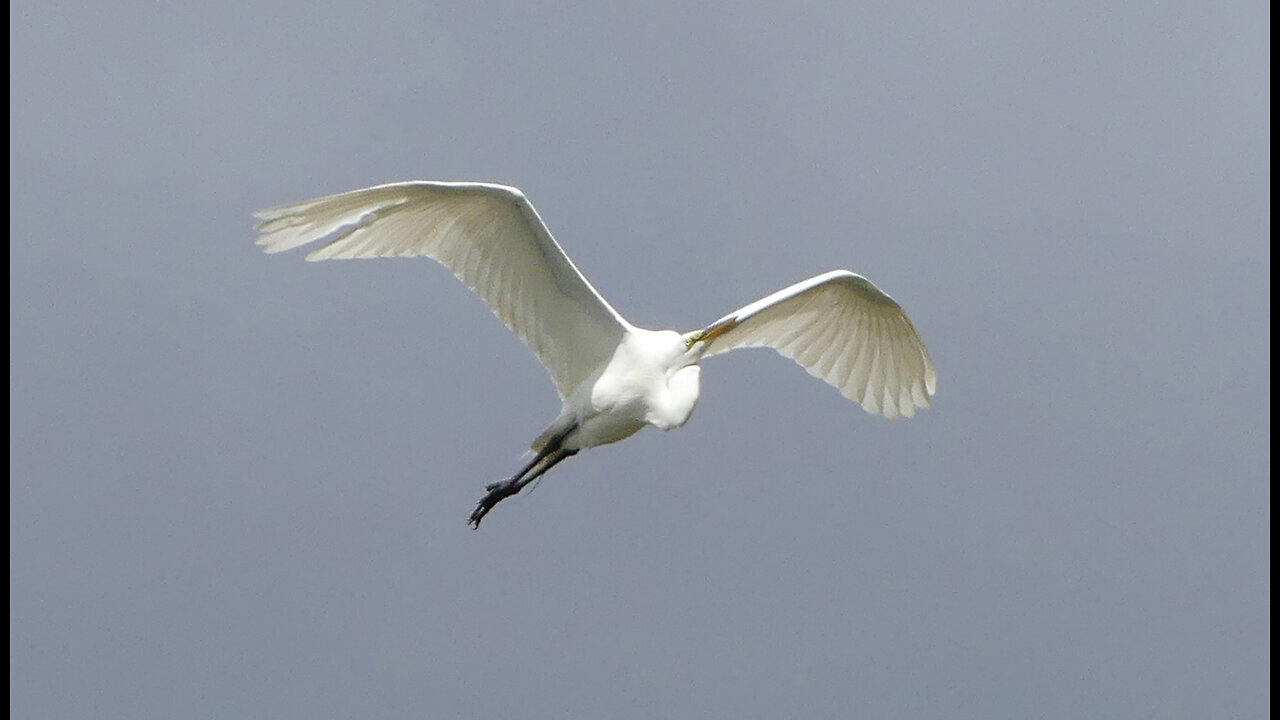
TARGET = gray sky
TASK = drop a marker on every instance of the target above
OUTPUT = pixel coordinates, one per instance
(239, 483)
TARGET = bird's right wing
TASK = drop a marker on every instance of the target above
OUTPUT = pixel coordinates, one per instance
(490, 237)
(842, 329)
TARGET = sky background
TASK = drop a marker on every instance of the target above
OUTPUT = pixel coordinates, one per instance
(239, 483)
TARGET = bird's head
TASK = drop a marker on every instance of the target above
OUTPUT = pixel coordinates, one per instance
(707, 334)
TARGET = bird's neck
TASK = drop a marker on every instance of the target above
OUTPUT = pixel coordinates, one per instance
(675, 402)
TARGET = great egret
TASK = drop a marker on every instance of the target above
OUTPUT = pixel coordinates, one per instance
(613, 377)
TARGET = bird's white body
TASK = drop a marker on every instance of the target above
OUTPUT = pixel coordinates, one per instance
(652, 379)
(614, 378)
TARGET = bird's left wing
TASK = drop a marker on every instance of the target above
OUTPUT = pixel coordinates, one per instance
(842, 329)
(490, 237)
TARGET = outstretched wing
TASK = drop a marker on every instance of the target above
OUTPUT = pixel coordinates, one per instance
(842, 329)
(490, 237)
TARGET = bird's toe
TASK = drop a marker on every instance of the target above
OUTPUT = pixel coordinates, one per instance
(495, 493)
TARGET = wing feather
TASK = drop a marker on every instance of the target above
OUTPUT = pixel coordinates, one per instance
(844, 330)
(490, 237)
(875, 374)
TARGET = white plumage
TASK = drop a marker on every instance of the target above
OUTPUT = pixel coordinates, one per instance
(613, 377)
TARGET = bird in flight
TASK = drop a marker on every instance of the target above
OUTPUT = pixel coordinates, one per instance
(613, 378)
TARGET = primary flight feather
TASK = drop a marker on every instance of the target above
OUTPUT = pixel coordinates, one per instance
(613, 377)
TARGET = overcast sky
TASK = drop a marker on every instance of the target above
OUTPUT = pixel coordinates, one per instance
(239, 483)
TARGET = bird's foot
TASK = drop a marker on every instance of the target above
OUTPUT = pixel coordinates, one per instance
(496, 493)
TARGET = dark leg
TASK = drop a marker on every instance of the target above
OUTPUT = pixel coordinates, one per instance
(536, 459)
(499, 490)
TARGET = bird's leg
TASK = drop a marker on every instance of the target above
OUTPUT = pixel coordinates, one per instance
(514, 478)
(553, 444)
(500, 491)
(506, 488)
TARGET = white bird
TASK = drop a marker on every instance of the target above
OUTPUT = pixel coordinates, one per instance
(613, 377)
